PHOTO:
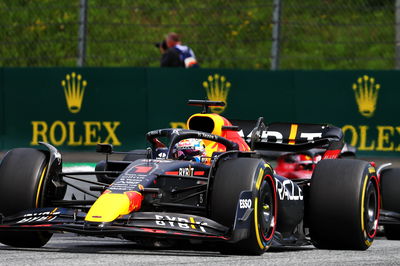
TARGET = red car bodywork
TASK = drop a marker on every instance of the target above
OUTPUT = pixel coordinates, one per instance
(297, 166)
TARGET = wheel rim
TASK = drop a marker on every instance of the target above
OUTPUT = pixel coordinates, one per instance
(266, 210)
(371, 209)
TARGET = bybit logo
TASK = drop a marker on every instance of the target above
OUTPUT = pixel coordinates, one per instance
(217, 89)
(366, 93)
(74, 89)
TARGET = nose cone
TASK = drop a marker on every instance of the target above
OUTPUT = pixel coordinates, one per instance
(110, 206)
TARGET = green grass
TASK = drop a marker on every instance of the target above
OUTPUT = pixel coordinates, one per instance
(324, 34)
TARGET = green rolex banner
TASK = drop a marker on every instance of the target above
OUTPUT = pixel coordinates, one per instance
(75, 108)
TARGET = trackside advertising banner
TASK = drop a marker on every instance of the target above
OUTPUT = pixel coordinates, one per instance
(75, 108)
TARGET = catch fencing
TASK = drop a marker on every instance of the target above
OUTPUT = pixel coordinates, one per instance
(252, 34)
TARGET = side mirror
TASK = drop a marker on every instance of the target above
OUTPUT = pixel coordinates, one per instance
(104, 148)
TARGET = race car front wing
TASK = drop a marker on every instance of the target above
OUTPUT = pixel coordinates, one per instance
(156, 224)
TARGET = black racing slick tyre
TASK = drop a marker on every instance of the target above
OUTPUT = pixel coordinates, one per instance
(390, 183)
(343, 205)
(232, 177)
(22, 174)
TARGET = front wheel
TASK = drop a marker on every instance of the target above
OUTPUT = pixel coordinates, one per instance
(22, 181)
(234, 178)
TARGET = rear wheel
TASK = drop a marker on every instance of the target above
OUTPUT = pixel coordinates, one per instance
(344, 204)
(390, 183)
(254, 176)
(22, 181)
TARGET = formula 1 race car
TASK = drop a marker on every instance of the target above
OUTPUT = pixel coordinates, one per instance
(203, 183)
(300, 166)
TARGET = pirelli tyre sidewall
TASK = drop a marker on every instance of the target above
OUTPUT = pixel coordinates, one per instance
(343, 210)
(22, 183)
(265, 208)
(232, 178)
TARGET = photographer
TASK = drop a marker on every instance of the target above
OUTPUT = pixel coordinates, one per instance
(174, 54)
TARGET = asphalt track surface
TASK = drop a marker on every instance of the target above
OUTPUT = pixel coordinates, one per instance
(69, 249)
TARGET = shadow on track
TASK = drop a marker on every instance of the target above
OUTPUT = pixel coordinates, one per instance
(111, 246)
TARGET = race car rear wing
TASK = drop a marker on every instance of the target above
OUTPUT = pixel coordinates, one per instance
(290, 136)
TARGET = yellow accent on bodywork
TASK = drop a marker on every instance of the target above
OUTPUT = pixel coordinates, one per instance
(293, 133)
(39, 189)
(371, 170)
(108, 207)
(218, 122)
(193, 222)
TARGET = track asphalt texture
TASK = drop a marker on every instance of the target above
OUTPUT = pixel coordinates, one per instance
(69, 249)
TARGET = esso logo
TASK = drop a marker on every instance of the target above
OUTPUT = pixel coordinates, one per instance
(245, 203)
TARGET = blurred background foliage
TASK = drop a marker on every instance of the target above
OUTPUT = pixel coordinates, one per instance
(323, 34)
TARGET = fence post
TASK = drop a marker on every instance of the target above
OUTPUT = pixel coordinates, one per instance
(397, 53)
(276, 31)
(82, 32)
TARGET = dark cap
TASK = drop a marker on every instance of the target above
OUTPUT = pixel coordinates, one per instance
(162, 44)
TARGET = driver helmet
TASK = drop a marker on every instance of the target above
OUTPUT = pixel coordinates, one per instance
(190, 150)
